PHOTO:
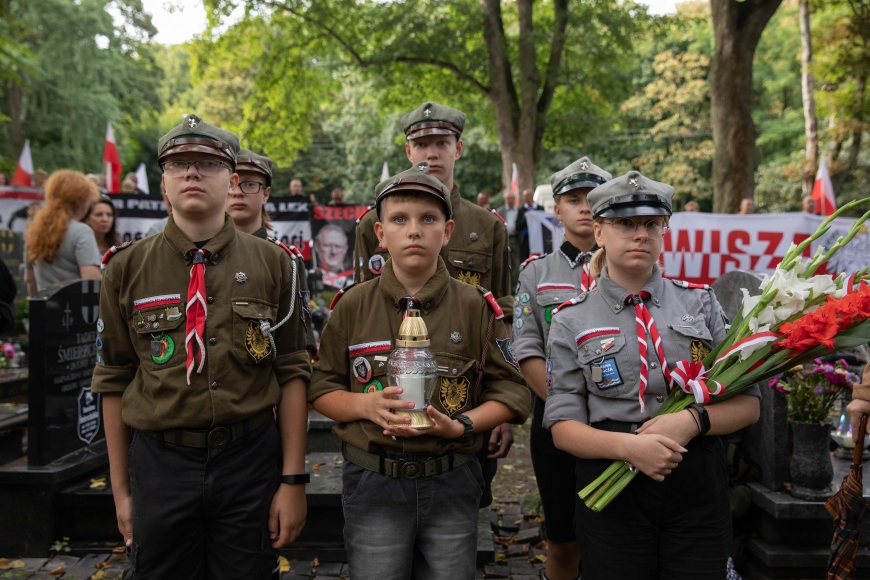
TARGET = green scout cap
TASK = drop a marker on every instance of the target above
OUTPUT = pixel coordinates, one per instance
(195, 135)
(581, 173)
(433, 119)
(631, 195)
(247, 160)
(415, 179)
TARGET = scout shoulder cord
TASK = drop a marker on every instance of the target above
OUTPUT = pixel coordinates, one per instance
(266, 329)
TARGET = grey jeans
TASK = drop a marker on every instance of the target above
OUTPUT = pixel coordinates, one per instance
(396, 529)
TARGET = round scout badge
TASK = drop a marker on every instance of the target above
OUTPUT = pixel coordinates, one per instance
(100, 325)
(374, 386)
(518, 311)
(362, 369)
(527, 311)
(162, 348)
(525, 297)
(376, 264)
(518, 323)
(99, 343)
(548, 313)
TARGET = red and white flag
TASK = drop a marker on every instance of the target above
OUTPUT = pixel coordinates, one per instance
(823, 191)
(515, 179)
(24, 172)
(113, 162)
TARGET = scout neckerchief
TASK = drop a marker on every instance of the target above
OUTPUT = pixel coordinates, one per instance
(196, 313)
(646, 323)
(409, 303)
(574, 256)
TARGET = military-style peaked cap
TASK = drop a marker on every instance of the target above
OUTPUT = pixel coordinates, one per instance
(247, 160)
(195, 135)
(631, 195)
(433, 119)
(415, 179)
(581, 173)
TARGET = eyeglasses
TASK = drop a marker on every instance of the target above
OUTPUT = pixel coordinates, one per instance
(627, 227)
(250, 187)
(205, 167)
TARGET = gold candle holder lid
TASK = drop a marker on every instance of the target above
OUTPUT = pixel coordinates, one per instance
(412, 331)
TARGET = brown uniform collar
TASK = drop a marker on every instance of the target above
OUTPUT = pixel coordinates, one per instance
(455, 198)
(216, 247)
(430, 294)
(615, 295)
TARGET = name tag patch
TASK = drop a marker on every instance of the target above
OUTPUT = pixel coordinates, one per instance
(605, 374)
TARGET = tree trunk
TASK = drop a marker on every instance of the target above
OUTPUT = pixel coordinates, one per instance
(812, 150)
(841, 170)
(737, 28)
(16, 137)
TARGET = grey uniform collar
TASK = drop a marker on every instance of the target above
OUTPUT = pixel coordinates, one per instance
(615, 295)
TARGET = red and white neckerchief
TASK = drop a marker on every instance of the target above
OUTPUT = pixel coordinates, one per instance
(645, 323)
(587, 281)
(195, 313)
(409, 303)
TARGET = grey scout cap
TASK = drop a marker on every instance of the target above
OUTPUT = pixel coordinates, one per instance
(631, 195)
(195, 135)
(247, 160)
(415, 179)
(433, 119)
(581, 173)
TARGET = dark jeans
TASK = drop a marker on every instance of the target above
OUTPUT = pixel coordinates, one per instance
(677, 529)
(399, 529)
(555, 474)
(203, 513)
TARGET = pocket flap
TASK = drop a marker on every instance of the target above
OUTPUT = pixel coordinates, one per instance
(596, 343)
(469, 260)
(559, 295)
(695, 330)
(254, 309)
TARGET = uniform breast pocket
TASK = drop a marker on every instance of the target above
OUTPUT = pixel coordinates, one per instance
(606, 363)
(369, 372)
(453, 393)
(547, 300)
(250, 345)
(472, 267)
(160, 332)
(692, 340)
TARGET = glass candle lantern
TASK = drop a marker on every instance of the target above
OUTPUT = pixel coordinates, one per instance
(412, 366)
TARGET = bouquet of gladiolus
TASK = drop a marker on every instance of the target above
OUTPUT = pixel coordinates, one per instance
(797, 317)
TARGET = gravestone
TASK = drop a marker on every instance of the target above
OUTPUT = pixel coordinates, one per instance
(64, 415)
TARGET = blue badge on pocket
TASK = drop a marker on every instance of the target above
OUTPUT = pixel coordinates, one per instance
(606, 374)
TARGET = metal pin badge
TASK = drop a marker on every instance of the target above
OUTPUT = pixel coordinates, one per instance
(473, 236)
(241, 277)
(688, 318)
(455, 337)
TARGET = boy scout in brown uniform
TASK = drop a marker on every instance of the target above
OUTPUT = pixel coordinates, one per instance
(246, 204)
(198, 343)
(411, 497)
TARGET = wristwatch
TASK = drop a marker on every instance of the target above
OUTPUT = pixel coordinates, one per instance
(703, 417)
(469, 428)
(299, 479)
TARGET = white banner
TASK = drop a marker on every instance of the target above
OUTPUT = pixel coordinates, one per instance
(545, 232)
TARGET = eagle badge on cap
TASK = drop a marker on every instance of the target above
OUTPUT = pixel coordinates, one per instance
(193, 121)
(427, 113)
(422, 167)
(634, 182)
(584, 166)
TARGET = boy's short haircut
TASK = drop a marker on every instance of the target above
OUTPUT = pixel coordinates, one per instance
(410, 196)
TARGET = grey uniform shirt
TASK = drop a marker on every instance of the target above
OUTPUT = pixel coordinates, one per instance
(545, 283)
(601, 329)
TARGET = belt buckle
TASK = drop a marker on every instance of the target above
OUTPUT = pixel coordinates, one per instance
(218, 437)
(411, 470)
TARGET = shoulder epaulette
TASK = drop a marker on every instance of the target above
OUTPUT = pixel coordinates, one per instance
(368, 209)
(112, 251)
(498, 215)
(531, 259)
(291, 250)
(339, 294)
(576, 300)
(493, 303)
(684, 284)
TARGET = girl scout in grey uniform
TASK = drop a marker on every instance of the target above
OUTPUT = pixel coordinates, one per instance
(610, 353)
(545, 282)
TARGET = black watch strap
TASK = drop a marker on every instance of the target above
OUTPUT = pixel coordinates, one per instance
(469, 428)
(703, 417)
(299, 479)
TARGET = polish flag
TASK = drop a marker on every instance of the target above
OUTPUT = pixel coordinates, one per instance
(113, 162)
(142, 179)
(823, 191)
(24, 172)
(385, 172)
(515, 179)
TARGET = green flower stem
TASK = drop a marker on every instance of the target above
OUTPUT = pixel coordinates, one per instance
(604, 487)
(614, 491)
(614, 467)
(841, 241)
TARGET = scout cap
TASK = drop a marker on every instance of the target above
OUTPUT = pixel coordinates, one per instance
(195, 135)
(415, 179)
(631, 195)
(581, 173)
(247, 160)
(433, 119)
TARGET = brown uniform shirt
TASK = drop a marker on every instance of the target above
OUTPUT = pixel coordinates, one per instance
(143, 297)
(477, 253)
(365, 324)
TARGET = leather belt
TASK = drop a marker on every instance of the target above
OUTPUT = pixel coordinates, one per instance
(400, 468)
(616, 426)
(216, 437)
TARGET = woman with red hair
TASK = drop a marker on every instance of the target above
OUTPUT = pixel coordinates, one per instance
(59, 246)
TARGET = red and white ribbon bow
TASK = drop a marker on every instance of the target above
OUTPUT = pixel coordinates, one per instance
(691, 377)
(196, 313)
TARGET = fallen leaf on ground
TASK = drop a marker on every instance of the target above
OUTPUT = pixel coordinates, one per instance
(508, 467)
(316, 562)
(541, 558)
(101, 565)
(518, 522)
(57, 571)
(100, 575)
(284, 564)
(316, 466)
(119, 550)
